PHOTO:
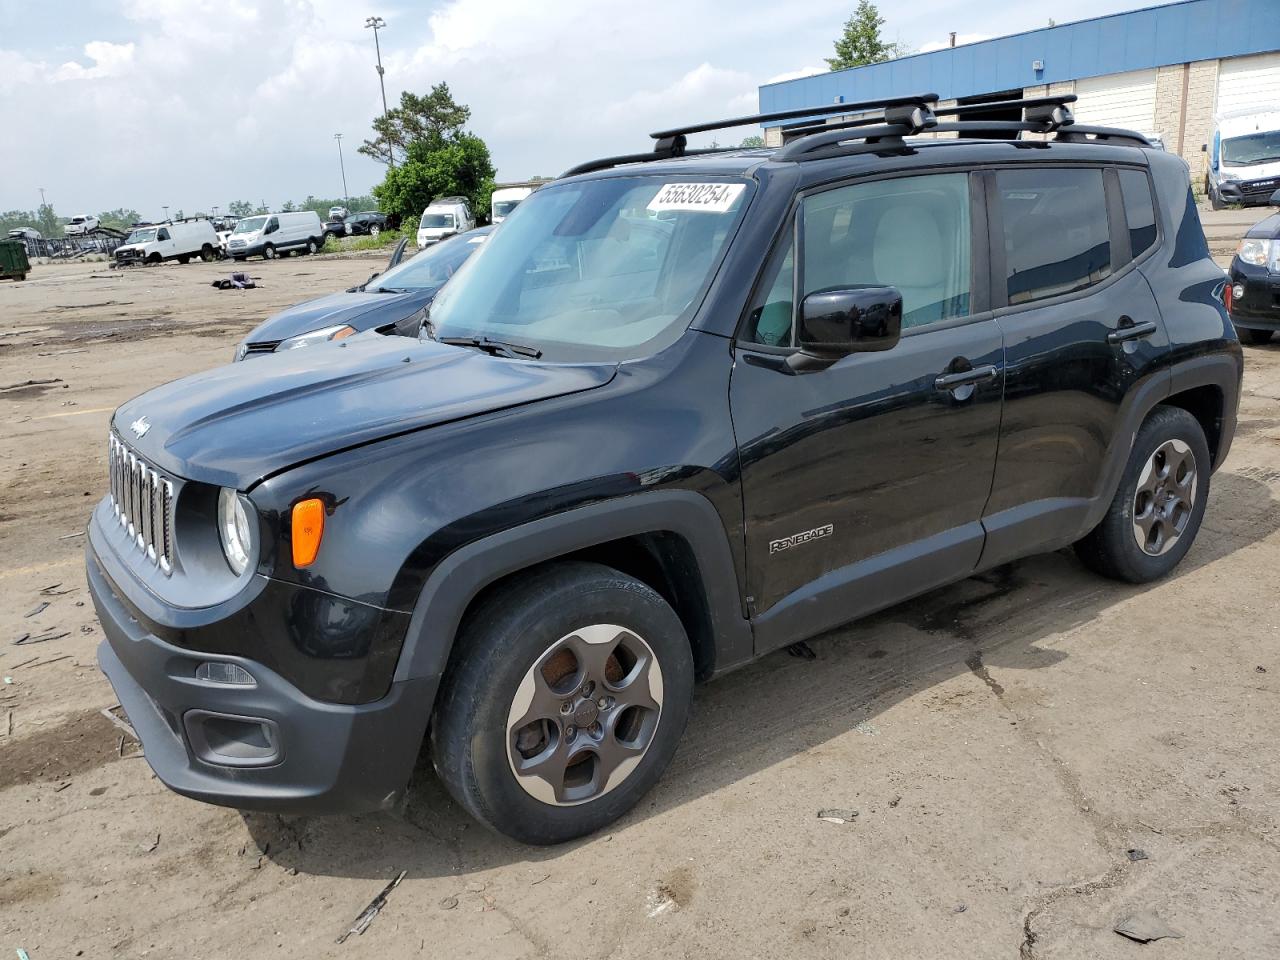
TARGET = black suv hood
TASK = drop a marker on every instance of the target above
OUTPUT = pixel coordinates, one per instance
(235, 425)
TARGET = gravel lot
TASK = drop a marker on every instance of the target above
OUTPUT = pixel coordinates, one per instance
(1006, 742)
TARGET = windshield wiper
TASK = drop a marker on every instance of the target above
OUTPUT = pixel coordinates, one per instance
(498, 348)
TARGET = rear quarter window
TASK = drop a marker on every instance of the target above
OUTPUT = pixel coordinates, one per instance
(1139, 211)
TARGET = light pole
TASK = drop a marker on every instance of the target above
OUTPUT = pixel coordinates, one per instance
(375, 24)
(166, 211)
(346, 200)
(42, 201)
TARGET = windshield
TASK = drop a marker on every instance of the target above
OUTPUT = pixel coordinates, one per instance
(436, 220)
(594, 269)
(142, 236)
(432, 267)
(1251, 149)
(502, 208)
(250, 225)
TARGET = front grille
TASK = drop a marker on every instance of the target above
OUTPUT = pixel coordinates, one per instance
(143, 502)
(1259, 190)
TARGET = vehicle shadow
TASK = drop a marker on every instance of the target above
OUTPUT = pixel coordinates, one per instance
(992, 622)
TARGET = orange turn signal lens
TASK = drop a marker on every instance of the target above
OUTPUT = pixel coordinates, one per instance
(308, 528)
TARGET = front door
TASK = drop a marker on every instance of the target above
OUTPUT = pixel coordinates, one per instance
(865, 483)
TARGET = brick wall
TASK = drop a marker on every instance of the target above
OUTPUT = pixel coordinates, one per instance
(1202, 96)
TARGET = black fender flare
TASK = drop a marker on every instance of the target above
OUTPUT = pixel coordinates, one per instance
(458, 578)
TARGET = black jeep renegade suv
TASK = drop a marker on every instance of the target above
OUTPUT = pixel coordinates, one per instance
(682, 409)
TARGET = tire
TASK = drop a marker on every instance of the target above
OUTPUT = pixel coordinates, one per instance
(184, 259)
(1255, 337)
(154, 259)
(1168, 439)
(477, 736)
(238, 259)
(374, 230)
(206, 253)
(268, 252)
(312, 246)
(1214, 202)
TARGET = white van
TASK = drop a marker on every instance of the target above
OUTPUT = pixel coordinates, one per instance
(506, 199)
(444, 217)
(270, 234)
(1244, 157)
(177, 240)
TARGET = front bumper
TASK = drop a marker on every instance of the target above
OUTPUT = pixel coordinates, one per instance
(1259, 308)
(1249, 193)
(248, 250)
(265, 746)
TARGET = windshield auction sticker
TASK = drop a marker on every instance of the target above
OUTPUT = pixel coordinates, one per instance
(712, 197)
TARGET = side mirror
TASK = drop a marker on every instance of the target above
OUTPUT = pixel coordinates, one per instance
(839, 321)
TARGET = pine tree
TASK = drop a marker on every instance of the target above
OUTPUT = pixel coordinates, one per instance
(861, 42)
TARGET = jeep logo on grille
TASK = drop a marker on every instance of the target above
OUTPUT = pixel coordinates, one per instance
(140, 427)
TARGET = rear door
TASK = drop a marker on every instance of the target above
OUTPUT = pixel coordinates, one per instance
(1082, 336)
(865, 482)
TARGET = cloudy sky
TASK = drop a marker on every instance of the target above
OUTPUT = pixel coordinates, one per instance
(139, 103)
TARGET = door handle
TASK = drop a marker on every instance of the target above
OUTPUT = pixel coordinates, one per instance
(1131, 331)
(949, 381)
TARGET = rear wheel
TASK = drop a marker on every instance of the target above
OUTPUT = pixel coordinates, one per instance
(312, 246)
(566, 696)
(374, 230)
(1157, 509)
(206, 253)
(1255, 337)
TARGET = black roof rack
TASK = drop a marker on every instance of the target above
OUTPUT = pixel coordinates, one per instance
(891, 120)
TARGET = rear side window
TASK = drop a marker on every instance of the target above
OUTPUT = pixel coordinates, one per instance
(1139, 211)
(1056, 235)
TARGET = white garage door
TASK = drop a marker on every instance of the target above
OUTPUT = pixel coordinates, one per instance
(1249, 82)
(1126, 100)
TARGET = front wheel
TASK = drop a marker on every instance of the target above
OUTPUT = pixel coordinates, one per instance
(1157, 509)
(566, 695)
(1214, 202)
(268, 252)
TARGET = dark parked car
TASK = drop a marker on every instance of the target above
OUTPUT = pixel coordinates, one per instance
(621, 460)
(393, 300)
(1254, 300)
(367, 223)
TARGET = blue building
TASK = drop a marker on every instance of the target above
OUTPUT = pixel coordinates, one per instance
(1166, 70)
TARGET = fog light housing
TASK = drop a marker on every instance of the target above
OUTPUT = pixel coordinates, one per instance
(1237, 290)
(216, 671)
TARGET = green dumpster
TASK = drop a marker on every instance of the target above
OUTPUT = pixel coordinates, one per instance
(13, 260)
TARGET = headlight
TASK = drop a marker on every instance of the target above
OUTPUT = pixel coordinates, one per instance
(317, 336)
(234, 530)
(1228, 177)
(1253, 251)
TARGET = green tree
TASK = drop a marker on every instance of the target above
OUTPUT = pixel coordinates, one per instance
(755, 140)
(459, 167)
(240, 208)
(12, 219)
(861, 42)
(47, 222)
(435, 119)
(121, 218)
(288, 207)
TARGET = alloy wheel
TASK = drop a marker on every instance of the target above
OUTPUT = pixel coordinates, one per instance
(584, 715)
(1165, 497)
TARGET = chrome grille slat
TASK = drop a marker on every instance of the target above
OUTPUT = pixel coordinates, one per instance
(142, 499)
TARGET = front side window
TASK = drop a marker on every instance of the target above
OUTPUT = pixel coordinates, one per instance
(141, 236)
(1139, 211)
(595, 268)
(431, 268)
(910, 233)
(1057, 238)
(164, 235)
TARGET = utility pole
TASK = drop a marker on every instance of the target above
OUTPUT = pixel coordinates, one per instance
(346, 199)
(166, 211)
(42, 201)
(376, 24)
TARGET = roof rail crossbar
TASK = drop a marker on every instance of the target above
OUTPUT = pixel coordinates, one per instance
(965, 109)
(887, 134)
(886, 104)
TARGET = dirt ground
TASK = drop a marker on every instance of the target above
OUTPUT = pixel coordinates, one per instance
(1032, 754)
